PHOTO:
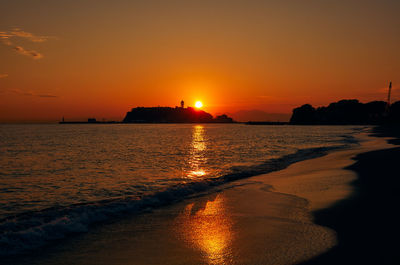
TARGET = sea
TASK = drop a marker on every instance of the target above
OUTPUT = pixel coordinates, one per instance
(61, 179)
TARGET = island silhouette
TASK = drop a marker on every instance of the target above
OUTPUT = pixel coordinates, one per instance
(173, 115)
(162, 115)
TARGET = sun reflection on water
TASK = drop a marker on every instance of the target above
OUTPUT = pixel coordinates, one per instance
(208, 228)
(197, 153)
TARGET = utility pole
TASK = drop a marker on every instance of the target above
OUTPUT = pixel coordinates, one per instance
(388, 98)
(389, 92)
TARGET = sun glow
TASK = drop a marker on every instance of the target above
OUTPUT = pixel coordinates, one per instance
(198, 104)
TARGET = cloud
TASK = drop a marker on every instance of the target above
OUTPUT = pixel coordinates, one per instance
(3, 75)
(34, 54)
(386, 89)
(17, 32)
(46, 96)
(7, 36)
(29, 93)
(4, 35)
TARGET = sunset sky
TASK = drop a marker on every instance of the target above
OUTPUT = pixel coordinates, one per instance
(99, 58)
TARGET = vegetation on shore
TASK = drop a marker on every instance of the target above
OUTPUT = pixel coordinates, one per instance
(348, 112)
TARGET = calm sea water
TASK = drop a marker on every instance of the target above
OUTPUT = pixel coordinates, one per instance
(58, 179)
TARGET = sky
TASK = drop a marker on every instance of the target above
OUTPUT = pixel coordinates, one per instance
(98, 58)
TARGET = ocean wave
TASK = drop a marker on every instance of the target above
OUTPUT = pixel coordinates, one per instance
(34, 229)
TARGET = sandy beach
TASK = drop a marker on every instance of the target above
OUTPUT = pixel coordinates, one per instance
(367, 222)
(286, 217)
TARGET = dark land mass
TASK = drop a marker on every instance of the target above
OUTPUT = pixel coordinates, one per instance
(162, 115)
(368, 223)
(259, 115)
(349, 111)
(173, 115)
(89, 121)
(266, 123)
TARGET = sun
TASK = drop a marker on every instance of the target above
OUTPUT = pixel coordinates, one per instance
(198, 104)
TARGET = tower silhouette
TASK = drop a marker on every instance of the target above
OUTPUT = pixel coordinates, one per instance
(182, 104)
(388, 98)
(389, 93)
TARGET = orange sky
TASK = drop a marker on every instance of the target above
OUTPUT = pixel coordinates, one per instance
(100, 58)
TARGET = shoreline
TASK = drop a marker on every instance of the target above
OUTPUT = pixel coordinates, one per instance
(366, 223)
(264, 219)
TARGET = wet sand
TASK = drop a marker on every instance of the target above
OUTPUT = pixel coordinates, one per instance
(367, 223)
(241, 224)
(261, 220)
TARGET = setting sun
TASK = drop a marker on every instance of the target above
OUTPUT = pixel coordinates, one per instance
(198, 104)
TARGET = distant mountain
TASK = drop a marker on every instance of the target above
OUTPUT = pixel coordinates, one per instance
(259, 115)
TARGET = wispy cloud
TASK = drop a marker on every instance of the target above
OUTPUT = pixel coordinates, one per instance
(7, 37)
(4, 35)
(3, 75)
(46, 96)
(17, 32)
(29, 93)
(386, 89)
(34, 54)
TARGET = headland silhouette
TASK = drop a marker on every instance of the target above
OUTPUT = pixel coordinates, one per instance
(348, 112)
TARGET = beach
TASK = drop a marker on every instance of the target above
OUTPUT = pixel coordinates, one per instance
(367, 222)
(304, 213)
